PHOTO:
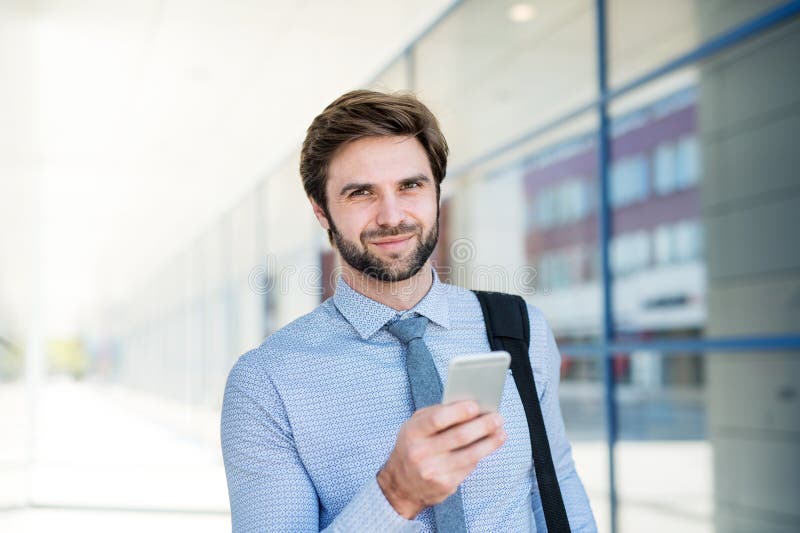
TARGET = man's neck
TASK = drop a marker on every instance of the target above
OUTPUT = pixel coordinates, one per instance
(399, 295)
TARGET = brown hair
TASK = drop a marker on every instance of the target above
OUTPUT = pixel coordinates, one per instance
(360, 114)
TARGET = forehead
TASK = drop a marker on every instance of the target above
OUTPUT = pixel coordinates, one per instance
(376, 159)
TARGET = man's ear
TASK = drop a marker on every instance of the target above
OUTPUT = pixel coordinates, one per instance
(320, 214)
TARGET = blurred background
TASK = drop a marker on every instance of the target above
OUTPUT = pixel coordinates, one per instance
(629, 166)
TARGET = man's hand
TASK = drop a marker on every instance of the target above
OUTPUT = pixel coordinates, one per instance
(435, 450)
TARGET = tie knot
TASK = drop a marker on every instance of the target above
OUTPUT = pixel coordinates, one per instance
(409, 329)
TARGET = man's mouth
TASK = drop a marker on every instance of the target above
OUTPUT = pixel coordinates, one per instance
(394, 243)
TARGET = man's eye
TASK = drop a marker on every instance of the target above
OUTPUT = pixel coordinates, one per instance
(359, 192)
(412, 185)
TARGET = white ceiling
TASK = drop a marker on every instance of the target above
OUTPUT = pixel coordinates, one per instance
(136, 123)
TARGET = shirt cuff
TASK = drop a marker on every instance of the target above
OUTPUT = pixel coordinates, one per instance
(370, 511)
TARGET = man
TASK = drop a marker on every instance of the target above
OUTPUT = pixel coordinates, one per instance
(319, 426)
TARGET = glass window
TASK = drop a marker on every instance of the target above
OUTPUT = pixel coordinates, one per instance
(394, 77)
(562, 203)
(573, 202)
(679, 242)
(581, 400)
(687, 162)
(645, 34)
(629, 180)
(546, 208)
(630, 252)
(564, 164)
(662, 244)
(552, 261)
(563, 268)
(662, 412)
(722, 263)
(665, 168)
(491, 77)
(688, 241)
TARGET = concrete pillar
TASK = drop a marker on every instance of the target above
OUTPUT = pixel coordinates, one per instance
(749, 124)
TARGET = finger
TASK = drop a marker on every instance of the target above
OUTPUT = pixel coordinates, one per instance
(466, 433)
(436, 418)
(466, 458)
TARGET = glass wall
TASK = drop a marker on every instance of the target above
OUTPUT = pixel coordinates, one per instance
(657, 252)
(665, 460)
(701, 193)
(396, 76)
(645, 35)
(490, 77)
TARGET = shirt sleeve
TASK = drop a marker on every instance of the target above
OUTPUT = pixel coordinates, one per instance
(370, 511)
(268, 485)
(546, 361)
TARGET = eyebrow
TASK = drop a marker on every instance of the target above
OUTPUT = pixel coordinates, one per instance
(368, 186)
(417, 177)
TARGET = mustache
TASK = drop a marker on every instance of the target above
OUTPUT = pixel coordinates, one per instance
(379, 233)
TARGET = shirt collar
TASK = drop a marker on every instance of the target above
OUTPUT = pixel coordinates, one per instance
(367, 316)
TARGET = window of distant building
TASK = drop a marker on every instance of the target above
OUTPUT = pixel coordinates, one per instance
(572, 200)
(688, 240)
(562, 268)
(687, 162)
(563, 203)
(630, 252)
(679, 242)
(676, 165)
(545, 208)
(664, 166)
(629, 180)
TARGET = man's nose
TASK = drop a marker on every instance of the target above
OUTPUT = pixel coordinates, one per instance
(390, 212)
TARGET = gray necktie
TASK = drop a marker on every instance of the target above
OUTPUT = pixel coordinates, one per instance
(426, 389)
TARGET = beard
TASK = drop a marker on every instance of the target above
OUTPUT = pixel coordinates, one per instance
(358, 256)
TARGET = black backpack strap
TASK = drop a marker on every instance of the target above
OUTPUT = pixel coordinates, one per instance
(508, 328)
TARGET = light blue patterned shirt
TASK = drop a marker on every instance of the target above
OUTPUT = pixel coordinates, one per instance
(311, 415)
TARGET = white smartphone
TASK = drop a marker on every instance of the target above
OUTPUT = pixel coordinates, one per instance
(478, 377)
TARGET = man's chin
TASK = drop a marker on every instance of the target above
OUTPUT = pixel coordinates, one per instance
(391, 275)
(386, 257)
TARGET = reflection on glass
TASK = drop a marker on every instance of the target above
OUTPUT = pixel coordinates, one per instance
(702, 199)
(645, 34)
(581, 397)
(630, 180)
(706, 250)
(656, 251)
(394, 77)
(541, 198)
(491, 76)
(560, 180)
(664, 460)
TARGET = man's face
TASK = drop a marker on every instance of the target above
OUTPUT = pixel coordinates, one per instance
(382, 206)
